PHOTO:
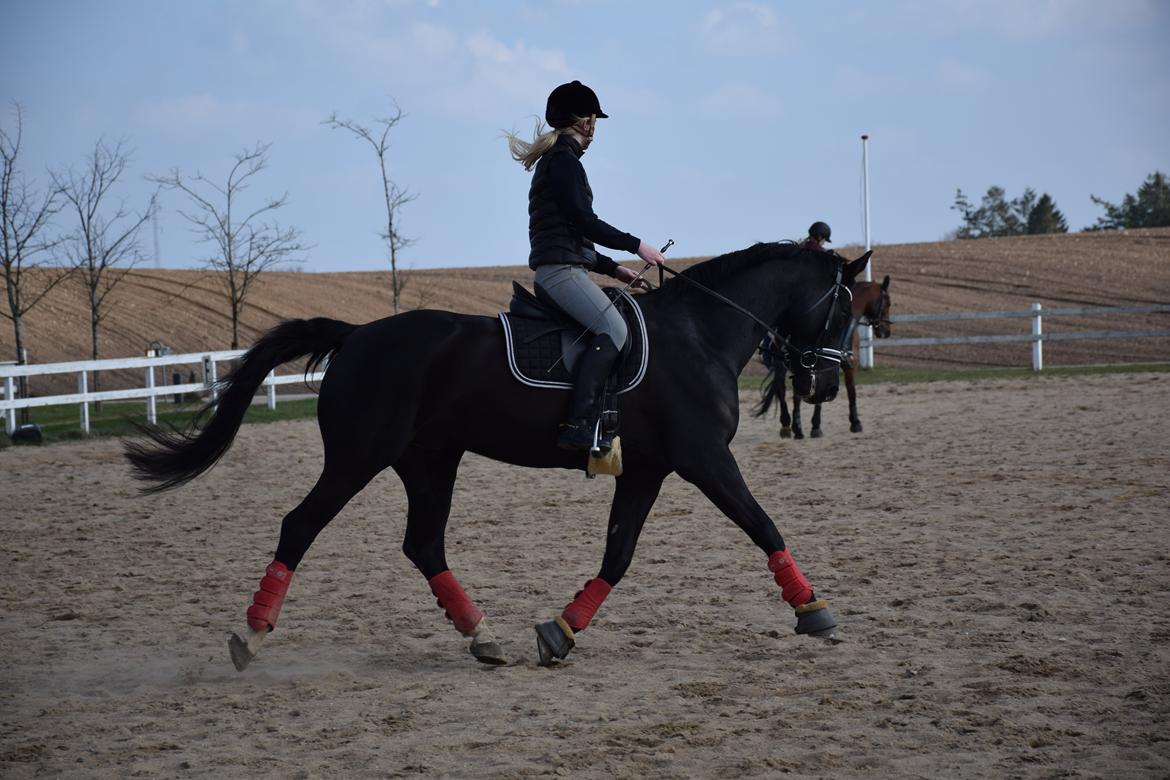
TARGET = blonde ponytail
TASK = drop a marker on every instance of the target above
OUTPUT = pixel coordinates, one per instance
(527, 153)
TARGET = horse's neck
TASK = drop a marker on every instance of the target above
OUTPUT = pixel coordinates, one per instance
(765, 291)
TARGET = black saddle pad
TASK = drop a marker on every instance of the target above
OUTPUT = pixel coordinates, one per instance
(543, 352)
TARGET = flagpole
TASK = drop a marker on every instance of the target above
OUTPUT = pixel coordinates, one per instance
(866, 356)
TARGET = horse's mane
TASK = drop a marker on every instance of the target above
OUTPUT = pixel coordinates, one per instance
(710, 272)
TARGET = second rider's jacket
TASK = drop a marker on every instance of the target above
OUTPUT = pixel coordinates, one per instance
(562, 227)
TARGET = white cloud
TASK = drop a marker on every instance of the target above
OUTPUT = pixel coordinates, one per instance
(496, 73)
(433, 41)
(436, 67)
(744, 29)
(189, 115)
(956, 78)
(1024, 18)
(741, 100)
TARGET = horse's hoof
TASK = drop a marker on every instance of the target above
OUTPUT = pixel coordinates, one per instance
(554, 640)
(814, 619)
(241, 655)
(816, 433)
(785, 433)
(797, 434)
(830, 635)
(489, 653)
(855, 427)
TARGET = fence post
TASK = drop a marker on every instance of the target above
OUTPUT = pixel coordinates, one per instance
(272, 389)
(1037, 339)
(152, 399)
(10, 415)
(210, 378)
(83, 388)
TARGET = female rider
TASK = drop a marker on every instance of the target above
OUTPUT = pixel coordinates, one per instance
(562, 231)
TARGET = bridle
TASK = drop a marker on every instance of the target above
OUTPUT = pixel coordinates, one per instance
(881, 320)
(808, 357)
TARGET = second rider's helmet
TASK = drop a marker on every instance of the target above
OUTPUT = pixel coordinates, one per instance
(820, 231)
(571, 101)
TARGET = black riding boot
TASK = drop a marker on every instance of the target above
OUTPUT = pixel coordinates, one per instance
(576, 433)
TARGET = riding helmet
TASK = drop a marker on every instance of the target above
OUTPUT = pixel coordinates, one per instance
(820, 231)
(569, 101)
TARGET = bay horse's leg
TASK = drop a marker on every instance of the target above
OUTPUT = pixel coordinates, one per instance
(816, 422)
(429, 478)
(334, 488)
(718, 476)
(635, 493)
(851, 389)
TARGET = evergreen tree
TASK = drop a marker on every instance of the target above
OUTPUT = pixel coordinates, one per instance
(996, 215)
(1045, 217)
(1150, 207)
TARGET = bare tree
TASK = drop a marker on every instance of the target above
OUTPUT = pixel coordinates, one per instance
(396, 197)
(246, 247)
(102, 247)
(24, 215)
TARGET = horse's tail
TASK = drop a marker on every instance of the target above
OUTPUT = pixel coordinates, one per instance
(769, 391)
(174, 457)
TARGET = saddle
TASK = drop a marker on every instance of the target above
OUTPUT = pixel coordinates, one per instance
(543, 344)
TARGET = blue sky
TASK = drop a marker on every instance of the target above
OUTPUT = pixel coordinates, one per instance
(731, 122)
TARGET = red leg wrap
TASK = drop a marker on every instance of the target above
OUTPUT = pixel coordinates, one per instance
(267, 601)
(455, 603)
(794, 586)
(586, 603)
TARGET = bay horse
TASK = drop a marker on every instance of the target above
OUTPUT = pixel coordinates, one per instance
(871, 305)
(415, 391)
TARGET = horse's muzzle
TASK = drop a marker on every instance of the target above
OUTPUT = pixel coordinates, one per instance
(819, 386)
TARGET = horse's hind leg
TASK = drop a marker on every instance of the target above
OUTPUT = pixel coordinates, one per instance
(816, 422)
(335, 487)
(429, 478)
(634, 495)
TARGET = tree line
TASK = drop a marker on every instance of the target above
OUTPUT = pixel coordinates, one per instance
(72, 230)
(1031, 215)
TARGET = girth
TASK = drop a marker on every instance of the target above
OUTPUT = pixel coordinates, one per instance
(542, 343)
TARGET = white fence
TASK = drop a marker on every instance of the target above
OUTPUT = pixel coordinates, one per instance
(150, 390)
(1037, 336)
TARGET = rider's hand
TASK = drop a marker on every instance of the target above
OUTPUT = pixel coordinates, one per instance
(649, 254)
(624, 274)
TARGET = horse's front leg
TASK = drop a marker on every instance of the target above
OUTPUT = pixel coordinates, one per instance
(797, 430)
(780, 382)
(717, 474)
(429, 478)
(634, 495)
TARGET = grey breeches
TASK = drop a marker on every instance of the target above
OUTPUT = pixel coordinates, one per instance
(573, 290)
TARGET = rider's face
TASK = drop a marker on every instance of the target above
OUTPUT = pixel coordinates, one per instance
(585, 130)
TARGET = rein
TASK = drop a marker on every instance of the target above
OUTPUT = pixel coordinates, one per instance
(828, 353)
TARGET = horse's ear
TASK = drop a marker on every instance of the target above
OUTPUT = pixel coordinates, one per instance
(886, 282)
(854, 269)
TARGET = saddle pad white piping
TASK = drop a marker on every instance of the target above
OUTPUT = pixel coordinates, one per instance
(508, 348)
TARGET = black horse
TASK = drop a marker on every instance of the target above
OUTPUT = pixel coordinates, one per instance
(415, 391)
